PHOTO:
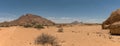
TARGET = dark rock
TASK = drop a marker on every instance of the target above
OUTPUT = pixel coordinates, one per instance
(115, 17)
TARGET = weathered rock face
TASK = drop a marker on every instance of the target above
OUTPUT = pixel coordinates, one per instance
(115, 17)
(115, 28)
(29, 19)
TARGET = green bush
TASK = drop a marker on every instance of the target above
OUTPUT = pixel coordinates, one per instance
(46, 39)
(39, 26)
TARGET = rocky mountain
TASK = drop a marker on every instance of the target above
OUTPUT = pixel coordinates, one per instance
(28, 19)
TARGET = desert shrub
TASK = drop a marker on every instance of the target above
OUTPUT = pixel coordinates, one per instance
(4, 26)
(60, 30)
(1, 25)
(59, 26)
(46, 39)
(7, 26)
(27, 25)
(39, 26)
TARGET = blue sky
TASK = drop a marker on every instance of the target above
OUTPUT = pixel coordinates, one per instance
(60, 11)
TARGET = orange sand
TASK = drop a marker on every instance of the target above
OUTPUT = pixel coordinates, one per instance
(82, 35)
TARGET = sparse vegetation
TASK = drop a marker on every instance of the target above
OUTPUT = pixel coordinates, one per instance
(4, 26)
(59, 26)
(27, 25)
(39, 26)
(7, 26)
(45, 39)
(60, 30)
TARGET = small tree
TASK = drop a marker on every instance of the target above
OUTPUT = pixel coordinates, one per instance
(46, 39)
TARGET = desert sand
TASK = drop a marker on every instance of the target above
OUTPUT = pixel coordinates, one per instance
(77, 35)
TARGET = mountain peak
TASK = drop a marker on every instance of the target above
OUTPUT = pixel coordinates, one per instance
(29, 19)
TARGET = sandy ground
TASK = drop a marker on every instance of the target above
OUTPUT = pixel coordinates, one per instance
(82, 35)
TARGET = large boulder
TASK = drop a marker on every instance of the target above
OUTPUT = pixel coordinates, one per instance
(115, 28)
(115, 17)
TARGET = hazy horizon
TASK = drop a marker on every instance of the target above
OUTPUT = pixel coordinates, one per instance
(59, 11)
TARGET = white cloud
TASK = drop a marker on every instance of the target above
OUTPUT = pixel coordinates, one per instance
(63, 19)
(93, 21)
(6, 17)
(71, 19)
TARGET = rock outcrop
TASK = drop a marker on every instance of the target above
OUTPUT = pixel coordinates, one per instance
(115, 28)
(115, 17)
